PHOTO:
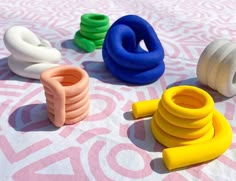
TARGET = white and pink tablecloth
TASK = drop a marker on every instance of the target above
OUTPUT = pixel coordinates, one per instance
(109, 144)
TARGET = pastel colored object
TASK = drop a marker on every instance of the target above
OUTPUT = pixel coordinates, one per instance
(67, 94)
(124, 56)
(93, 28)
(217, 67)
(187, 123)
(30, 55)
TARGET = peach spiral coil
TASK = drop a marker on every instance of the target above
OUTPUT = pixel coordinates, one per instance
(67, 94)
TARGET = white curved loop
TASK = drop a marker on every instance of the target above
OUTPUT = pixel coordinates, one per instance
(217, 67)
(215, 62)
(205, 58)
(226, 83)
(30, 55)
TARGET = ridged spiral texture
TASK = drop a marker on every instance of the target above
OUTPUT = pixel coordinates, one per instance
(192, 125)
(93, 29)
(68, 99)
(217, 67)
(187, 123)
(124, 56)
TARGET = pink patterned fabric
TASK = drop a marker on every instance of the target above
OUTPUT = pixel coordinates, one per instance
(109, 144)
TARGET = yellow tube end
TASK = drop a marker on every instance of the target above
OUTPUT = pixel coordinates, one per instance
(144, 108)
(182, 156)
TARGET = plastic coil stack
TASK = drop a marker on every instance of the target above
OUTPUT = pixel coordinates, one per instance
(66, 90)
(124, 56)
(174, 125)
(186, 122)
(93, 29)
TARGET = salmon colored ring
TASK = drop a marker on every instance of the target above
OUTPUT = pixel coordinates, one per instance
(77, 112)
(66, 91)
(70, 107)
(70, 121)
(62, 71)
(70, 99)
(73, 99)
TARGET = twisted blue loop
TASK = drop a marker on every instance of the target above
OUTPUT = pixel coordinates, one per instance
(124, 56)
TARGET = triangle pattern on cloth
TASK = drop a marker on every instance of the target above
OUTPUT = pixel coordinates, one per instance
(58, 168)
(38, 170)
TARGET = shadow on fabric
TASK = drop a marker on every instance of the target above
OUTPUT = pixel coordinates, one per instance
(69, 44)
(98, 70)
(217, 97)
(7, 74)
(32, 117)
(128, 116)
(140, 135)
(158, 166)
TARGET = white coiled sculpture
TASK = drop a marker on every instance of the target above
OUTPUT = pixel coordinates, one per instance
(217, 67)
(30, 55)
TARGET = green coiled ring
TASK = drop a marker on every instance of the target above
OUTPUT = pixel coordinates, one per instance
(93, 29)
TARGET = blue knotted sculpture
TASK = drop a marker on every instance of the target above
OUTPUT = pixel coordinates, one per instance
(126, 59)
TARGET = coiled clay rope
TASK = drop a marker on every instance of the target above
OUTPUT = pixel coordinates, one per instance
(66, 90)
(93, 28)
(217, 67)
(30, 55)
(186, 122)
(124, 56)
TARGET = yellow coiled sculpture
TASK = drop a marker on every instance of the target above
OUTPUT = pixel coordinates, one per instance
(186, 122)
